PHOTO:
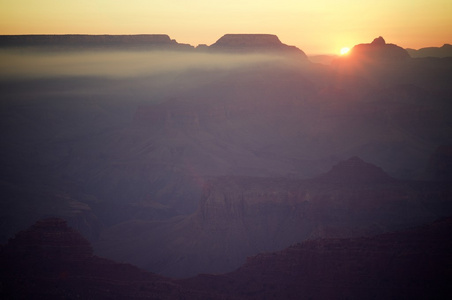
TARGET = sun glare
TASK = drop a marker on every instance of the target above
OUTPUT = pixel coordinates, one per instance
(344, 50)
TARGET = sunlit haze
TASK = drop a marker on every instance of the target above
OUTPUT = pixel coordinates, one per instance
(324, 26)
(345, 50)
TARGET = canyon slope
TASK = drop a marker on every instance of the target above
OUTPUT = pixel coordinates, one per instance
(242, 216)
(412, 264)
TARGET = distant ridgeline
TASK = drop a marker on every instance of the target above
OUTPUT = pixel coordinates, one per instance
(81, 41)
(236, 43)
(443, 51)
(229, 43)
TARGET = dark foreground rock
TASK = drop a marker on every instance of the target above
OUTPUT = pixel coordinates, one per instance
(414, 264)
(52, 261)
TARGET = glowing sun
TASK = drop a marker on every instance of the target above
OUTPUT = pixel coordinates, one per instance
(344, 50)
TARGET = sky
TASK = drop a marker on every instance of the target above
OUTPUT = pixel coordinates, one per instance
(316, 27)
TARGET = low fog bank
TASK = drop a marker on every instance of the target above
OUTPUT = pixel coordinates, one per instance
(118, 64)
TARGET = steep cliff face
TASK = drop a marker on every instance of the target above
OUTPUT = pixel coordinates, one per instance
(353, 194)
(354, 198)
(267, 213)
(235, 198)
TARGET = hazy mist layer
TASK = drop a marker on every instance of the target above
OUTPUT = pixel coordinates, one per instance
(41, 64)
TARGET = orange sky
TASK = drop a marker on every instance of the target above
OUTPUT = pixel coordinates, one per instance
(321, 26)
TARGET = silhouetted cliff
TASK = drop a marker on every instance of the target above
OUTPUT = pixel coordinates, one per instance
(262, 43)
(373, 53)
(52, 261)
(379, 50)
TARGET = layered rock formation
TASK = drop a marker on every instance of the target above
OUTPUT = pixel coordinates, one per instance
(353, 198)
(241, 216)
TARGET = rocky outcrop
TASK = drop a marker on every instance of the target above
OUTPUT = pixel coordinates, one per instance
(376, 52)
(261, 43)
(52, 261)
(412, 264)
(51, 239)
(379, 50)
(36, 201)
(356, 171)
